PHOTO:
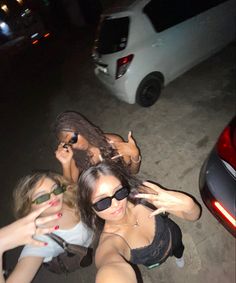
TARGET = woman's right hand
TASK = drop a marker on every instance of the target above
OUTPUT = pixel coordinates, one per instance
(64, 154)
(22, 231)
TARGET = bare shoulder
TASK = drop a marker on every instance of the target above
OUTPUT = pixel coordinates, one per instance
(114, 137)
(110, 248)
(119, 271)
(108, 243)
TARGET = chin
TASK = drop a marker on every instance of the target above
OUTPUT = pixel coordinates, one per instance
(118, 214)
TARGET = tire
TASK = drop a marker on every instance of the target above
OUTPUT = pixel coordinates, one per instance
(148, 91)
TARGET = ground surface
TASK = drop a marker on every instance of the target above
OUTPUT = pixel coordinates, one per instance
(175, 136)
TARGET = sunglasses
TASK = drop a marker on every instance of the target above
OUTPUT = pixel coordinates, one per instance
(73, 140)
(57, 191)
(105, 203)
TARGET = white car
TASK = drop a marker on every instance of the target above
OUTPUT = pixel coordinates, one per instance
(145, 44)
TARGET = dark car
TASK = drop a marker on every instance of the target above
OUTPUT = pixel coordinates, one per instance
(217, 179)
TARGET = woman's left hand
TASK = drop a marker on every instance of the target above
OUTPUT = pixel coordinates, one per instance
(128, 148)
(176, 203)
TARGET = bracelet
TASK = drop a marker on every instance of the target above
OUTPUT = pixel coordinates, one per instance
(136, 161)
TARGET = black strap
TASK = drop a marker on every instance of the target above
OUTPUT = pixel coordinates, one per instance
(61, 242)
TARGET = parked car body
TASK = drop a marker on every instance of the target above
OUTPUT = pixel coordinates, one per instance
(217, 179)
(142, 46)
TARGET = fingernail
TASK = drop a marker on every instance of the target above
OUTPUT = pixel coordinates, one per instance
(59, 214)
(56, 227)
(45, 244)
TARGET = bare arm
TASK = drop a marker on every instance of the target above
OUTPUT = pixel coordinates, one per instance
(65, 156)
(176, 203)
(120, 272)
(25, 270)
(75, 172)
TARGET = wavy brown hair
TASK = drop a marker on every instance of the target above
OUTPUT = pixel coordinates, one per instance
(22, 195)
(72, 121)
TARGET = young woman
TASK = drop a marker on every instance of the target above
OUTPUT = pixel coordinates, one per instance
(81, 145)
(33, 192)
(109, 201)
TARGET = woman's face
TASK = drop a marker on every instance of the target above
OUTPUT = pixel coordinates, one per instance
(45, 189)
(107, 186)
(74, 140)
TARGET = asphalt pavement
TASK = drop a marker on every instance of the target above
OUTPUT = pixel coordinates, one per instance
(174, 136)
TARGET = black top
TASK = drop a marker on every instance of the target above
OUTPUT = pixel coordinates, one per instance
(159, 249)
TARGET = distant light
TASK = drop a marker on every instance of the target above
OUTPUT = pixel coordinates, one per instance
(46, 34)
(5, 29)
(5, 8)
(20, 2)
(27, 11)
(3, 25)
(35, 41)
(34, 35)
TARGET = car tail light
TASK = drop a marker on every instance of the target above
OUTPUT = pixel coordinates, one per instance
(225, 213)
(46, 35)
(226, 145)
(122, 65)
(35, 42)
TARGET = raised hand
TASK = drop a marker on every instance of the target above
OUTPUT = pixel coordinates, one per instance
(128, 148)
(64, 154)
(173, 202)
(22, 231)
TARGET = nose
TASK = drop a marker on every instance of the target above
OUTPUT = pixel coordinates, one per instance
(52, 196)
(115, 202)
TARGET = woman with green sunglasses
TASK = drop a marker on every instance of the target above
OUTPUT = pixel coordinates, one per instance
(31, 193)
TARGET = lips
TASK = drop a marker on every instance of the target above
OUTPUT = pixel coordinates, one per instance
(118, 211)
(55, 202)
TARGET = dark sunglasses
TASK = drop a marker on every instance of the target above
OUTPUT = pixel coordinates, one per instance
(73, 140)
(57, 191)
(105, 203)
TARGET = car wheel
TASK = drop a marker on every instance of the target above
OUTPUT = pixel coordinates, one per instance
(148, 91)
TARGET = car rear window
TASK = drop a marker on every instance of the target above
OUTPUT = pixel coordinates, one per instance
(113, 35)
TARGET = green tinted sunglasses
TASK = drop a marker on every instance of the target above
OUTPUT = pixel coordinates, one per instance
(57, 191)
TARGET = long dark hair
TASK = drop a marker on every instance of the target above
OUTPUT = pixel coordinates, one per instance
(86, 186)
(72, 121)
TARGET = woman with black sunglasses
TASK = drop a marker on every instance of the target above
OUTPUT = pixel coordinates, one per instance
(82, 144)
(120, 208)
(33, 192)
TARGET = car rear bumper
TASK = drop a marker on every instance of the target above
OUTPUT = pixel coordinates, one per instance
(217, 184)
(117, 88)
